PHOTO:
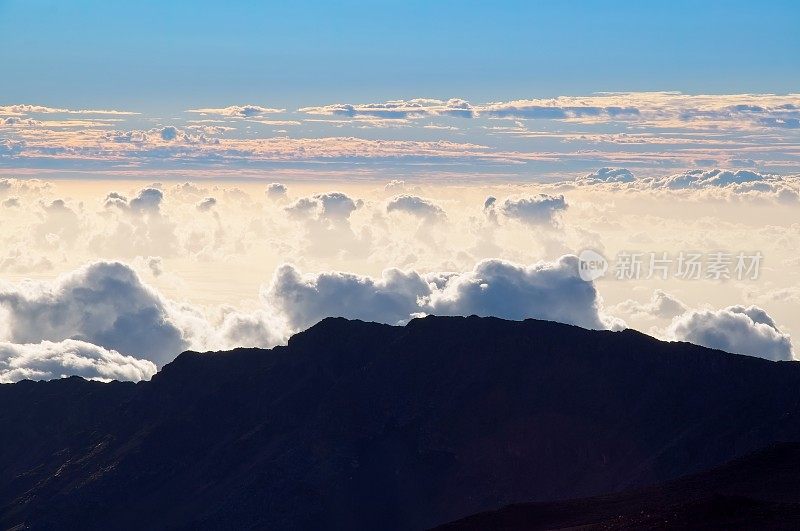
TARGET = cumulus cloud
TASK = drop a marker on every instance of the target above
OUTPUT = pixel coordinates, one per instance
(661, 305)
(58, 222)
(107, 305)
(136, 227)
(546, 290)
(707, 179)
(169, 133)
(326, 219)
(331, 206)
(305, 299)
(104, 303)
(48, 360)
(719, 183)
(277, 191)
(148, 200)
(419, 207)
(738, 329)
(542, 209)
(206, 204)
(156, 265)
(608, 175)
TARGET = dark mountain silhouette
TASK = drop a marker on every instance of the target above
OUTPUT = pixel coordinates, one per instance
(359, 425)
(760, 491)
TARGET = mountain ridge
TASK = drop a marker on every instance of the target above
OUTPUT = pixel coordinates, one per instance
(364, 425)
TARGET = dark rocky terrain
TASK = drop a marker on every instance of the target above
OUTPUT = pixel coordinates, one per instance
(358, 425)
(759, 491)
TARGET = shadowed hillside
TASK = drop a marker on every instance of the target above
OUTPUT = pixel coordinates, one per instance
(759, 491)
(358, 425)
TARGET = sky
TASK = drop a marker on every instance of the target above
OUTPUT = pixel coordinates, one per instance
(160, 57)
(205, 175)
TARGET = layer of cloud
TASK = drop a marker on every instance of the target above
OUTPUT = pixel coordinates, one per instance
(643, 129)
(48, 360)
(738, 329)
(668, 109)
(237, 111)
(712, 183)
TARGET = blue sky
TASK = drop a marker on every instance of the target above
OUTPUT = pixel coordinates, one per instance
(162, 55)
(528, 72)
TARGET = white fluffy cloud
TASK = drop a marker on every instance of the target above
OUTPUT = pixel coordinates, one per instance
(48, 360)
(609, 175)
(738, 329)
(107, 305)
(419, 207)
(542, 209)
(331, 206)
(276, 191)
(104, 303)
(305, 299)
(546, 290)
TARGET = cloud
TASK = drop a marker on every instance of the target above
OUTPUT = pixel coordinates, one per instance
(58, 223)
(20, 259)
(715, 183)
(557, 109)
(418, 207)
(546, 290)
(169, 133)
(661, 305)
(716, 178)
(147, 200)
(738, 329)
(396, 109)
(542, 209)
(206, 204)
(306, 299)
(136, 227)
(104, 303)
(48, 360)
(24, 109)
(156, 265)
(331, 206)
(260, 328)
(102, 321)
(608, 175)
(238, 111)
(326, 219)
(276, 191)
